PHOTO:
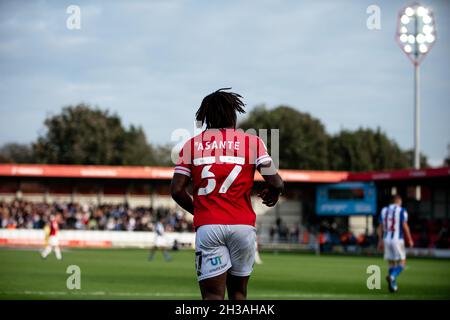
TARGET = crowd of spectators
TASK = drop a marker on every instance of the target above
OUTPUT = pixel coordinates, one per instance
(425, 233)
(73, 216)
(329, 237)
(431, 233)
(281, 232)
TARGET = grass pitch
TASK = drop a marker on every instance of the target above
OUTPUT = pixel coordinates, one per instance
(127, 274)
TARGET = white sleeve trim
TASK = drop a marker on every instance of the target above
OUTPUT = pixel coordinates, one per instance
(183, 170)
(263, 159)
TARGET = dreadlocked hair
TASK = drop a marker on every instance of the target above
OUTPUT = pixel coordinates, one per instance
(218, 109)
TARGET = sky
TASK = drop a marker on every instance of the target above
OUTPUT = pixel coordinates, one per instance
(152, 62)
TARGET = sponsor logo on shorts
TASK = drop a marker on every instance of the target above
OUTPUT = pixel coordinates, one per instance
(215, 260)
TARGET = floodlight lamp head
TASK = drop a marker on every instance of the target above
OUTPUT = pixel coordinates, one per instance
(416, 31)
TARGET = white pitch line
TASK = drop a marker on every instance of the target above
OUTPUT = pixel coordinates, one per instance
(98, 293)
(337, 296)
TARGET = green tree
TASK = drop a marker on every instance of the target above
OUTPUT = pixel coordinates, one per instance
(162, 154)
(136, 149)
(410, 156)
(16, 153)
(365, 150)
(84, 135)
(303, 140)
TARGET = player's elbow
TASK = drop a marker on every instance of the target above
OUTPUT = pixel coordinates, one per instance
(176, 190)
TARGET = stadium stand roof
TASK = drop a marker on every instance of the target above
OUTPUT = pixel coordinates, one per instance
(165, 173)
(401, 174)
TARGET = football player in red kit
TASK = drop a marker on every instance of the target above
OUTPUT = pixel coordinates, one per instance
(221, 163)
(53, 239)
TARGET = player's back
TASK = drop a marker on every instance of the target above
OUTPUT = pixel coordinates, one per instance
(159, 229)
(222, 165)
(392, 218)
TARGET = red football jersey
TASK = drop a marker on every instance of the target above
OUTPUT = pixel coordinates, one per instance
(54, 228)
(221, 164)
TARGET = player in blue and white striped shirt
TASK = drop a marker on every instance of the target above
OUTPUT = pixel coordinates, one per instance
(393, 229)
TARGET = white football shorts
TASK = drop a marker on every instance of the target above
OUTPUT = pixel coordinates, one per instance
(394, 250)
(221, 248)
(161, 241)
(53, 241)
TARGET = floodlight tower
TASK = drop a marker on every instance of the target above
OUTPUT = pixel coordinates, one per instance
(416, 34)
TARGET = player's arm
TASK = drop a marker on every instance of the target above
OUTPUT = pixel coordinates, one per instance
(179, 193)
(275, 184)
(46, 230)
(407, 232)
(380, 236)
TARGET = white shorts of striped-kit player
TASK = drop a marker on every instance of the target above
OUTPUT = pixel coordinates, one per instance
(161, 241)
(221, 248)
(394, 250)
